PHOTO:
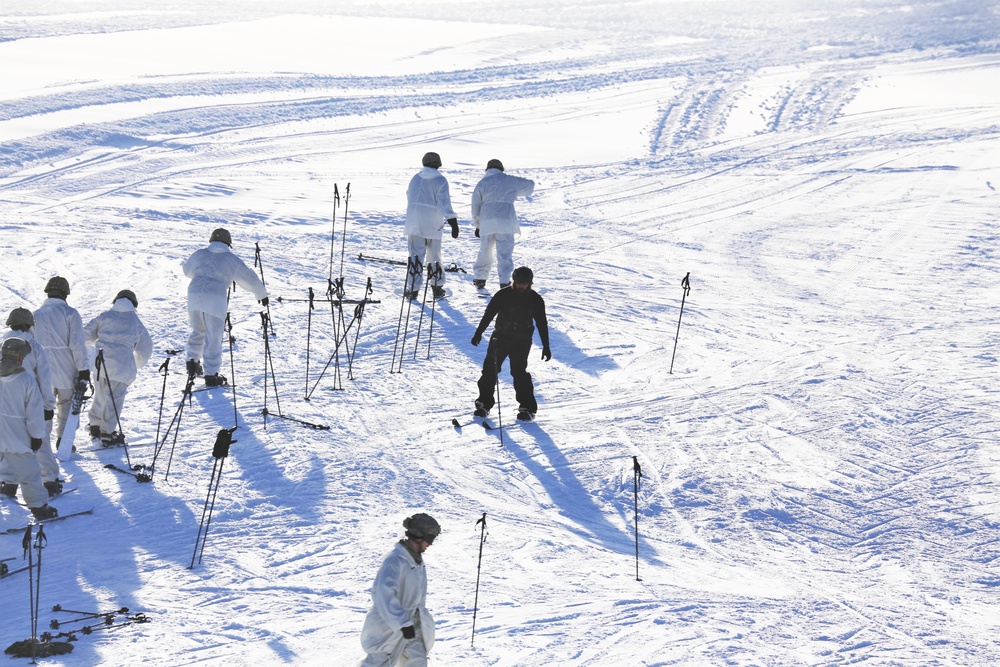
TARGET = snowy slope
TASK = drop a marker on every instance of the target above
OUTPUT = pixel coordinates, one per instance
(819, 469)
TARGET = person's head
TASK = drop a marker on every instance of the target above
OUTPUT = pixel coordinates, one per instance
(127, 294)
(15, 349)
(494, 164)
(223, 236)
(20, 319)
(522, 278)
(421, 530)
(57, 288)
(432, 160)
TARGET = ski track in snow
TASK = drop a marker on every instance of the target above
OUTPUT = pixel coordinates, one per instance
(818, 469)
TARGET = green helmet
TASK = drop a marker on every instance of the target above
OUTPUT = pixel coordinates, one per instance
(15, 347)
(57, 284)
(422, 527)
(127, 294)
(22, 317)
(223, 235)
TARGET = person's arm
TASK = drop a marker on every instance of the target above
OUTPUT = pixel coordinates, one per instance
(542, 324)
(384, 598)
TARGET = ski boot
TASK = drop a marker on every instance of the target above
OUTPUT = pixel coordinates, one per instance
(8, 489)
(44, 512)
(54, 487)
(215, 380)
(439, 292)
(481, 410)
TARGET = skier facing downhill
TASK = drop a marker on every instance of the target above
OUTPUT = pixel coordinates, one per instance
(126, 346)
(398, 630)
(212, 270)
(518, 311)
(428, 206)
(59, 328)
(495, 220)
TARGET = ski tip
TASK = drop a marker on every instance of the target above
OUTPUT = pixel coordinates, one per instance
(454, 422)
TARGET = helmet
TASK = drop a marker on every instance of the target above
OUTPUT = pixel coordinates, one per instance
(127, 294)
(522, 274)
(494, 164)
(223, 235)
(431, 160)
(421, 527)
(15, 347)
(57, 284)
(20, 316)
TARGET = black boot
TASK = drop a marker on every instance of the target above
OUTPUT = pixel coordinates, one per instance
(44, 512)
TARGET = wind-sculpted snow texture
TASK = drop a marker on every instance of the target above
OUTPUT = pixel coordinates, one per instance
(819, 471)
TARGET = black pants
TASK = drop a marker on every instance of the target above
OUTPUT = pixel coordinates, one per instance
(517, 351)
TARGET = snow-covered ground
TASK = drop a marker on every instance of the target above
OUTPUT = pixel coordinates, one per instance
(819, 471)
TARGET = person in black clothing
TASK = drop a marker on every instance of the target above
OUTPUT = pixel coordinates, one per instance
(518, 311)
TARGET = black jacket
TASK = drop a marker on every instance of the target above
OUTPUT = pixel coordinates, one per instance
(517, 315)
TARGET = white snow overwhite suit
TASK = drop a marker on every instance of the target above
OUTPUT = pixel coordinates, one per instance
(398, 598)
(21, 419)
(37, 363)
(494, 216)
(211, 271)
(59, 328)
(126, 346)
(428, 206)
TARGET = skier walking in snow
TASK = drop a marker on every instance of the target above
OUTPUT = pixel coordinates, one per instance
(428, 206)
(36, 361)
(495, 220)
(518, 311)
(211, 271)
(22, 427)
(125, 345)
(398, 630)
(59, 328)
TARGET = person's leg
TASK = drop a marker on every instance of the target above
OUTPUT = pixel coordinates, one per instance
(196, 339)
(416, 249)
(214, 328)
(484, 261)
(64, 398)
(434, 259)
(505, 257)
(524, 390)
(27, 473)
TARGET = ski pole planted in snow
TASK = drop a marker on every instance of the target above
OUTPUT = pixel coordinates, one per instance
(686, 286)
(333, 228)
(479, 565)
(636, 475)
(220, 451)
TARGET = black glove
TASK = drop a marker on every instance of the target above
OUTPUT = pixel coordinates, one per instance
(477, 232)
(36, 444)
(264, 302)
(546, 353)
(49, 414)
(477, 338)
(408, 632)
(84, 375)
(454, 227)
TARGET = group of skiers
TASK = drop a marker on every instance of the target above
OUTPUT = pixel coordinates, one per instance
(43, 361)
(46, 357)
(398, 630)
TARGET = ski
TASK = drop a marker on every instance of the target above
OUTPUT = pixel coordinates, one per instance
(66, 489)
(141, 476)
(44, 522)
(385, 260)
(7, 572)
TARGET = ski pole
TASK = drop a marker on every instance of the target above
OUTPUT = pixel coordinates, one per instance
(232, 368)
(430, 330)
(636, 474)
(26, 545)
(309, 320)
(333, 228)
(259, 263)
(420, 320)
(343, 238)
(479, 565)
(496, 367)
(268, 367)
(359, 312)
(164, 370)
(413, 269)
(100, 365)
(686, 286)
(220, 451)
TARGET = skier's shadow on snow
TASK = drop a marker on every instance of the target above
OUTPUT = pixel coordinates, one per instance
(258, 468)
(564, 488)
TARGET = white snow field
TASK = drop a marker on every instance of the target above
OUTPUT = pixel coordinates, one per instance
(819, 471)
